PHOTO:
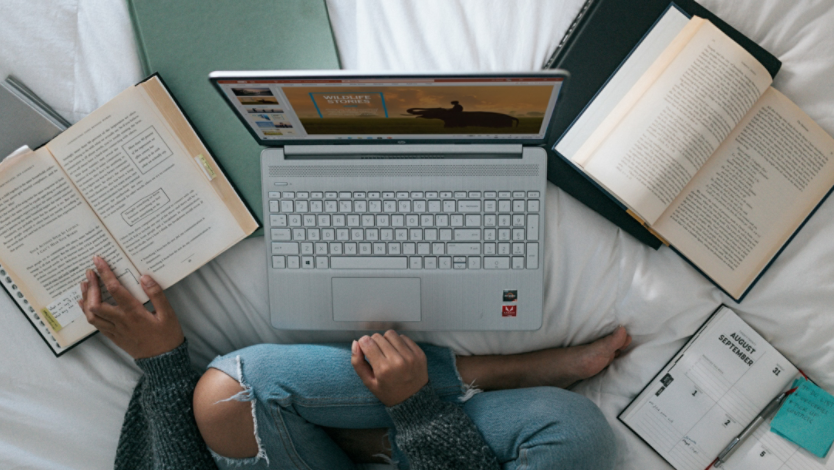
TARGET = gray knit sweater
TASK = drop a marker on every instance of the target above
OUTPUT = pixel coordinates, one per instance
(159, 431)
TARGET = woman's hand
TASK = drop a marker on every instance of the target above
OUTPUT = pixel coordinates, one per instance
(395, 368)
(139, 332)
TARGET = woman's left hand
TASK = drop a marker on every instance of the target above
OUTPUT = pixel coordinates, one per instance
(133, 328)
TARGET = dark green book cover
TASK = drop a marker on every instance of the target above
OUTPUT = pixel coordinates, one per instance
(185, 40)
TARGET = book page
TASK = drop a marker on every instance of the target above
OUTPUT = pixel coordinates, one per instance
(635, 67)
(709, 392)
(671, 131)
(754, 193)
(150, 192)
(765, 450)
(49, 235)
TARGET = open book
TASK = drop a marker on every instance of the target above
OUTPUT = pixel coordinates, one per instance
(131, 183)
(716, 385)
(689, 136)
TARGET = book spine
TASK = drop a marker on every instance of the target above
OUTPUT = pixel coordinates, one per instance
(554, 58)
(140, 41)
(29, 312)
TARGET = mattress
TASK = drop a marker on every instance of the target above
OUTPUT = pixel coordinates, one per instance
(76, 54)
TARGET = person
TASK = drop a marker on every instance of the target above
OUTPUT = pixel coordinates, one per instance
(329, 406)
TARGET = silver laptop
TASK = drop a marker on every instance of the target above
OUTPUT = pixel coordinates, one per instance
(405, 201)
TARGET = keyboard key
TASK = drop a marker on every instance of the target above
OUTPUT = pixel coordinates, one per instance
(467, 234)
(321, 248)
(431, 194)
(285, 248)
(368, 220)
(409, 249)
(299, 234)
(331, 206)
(386, 234)
(532, 194)
(533, 205)
(365, 249)
(350, 249)
(504, 220)
(382, 220)
(374, 195)
(518, 205)
(281, 234)
(375, 206)
(379, 249)
(353, 220)
(445, 234)
(459, 265)
(489, 220)
(518, 249)
(430, 263)
(278, 262)
(532, 256)
(518, 193)
(463, 248)
(415, 234)
(339, 220)
(323, 220)
(426, 220)
(419, 206)
(360, 206)
(490, 206)
(402, 195)
(423, 249)
(444, 263)
(489, 234)
(286, 206)
(448, 206)
(331, 195)
(490, 194)
(496, 263)
(275, 194)
(292, 262)
(401, 234)
(518, 262)
(504, 206)
(316, 195)
(371, 234)
(397, 220)
(430, 234)
(279, 220)
(301, 206)
(460, 193)
(504, 234)
(473, 220)
(302, 194)
(532, 227)
(316, 206)
(469, 206)
(342, 234)
(344, 195)
(389, 206)
(393, 248)
(503, 248)
(307, 262)
(336, 248)
(313, 234)
(441, 220)
(309, 220)
(457, 220)
(412, 220)
(415, 262)
(288, 194)
(359, 194)
(444, 194)
(504, 194)
(275, 206)
(489, 248)
(438, 248)
(404, 206)
(474, 262)
(382, 262)
(388, 195)
(306, 248)
(434, 206)
(345, 206)
(518, 220)
(474, 194)
(518, 234)
(357, 234)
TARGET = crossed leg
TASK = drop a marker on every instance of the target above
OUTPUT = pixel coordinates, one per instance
(228, 428)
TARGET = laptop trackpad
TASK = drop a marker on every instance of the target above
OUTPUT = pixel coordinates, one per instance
(376, 299)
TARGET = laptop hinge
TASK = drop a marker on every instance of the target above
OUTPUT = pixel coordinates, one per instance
(403, 151)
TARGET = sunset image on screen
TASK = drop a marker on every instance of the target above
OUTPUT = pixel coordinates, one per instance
(420, 110)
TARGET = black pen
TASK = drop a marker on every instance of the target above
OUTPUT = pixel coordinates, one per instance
(734, 444)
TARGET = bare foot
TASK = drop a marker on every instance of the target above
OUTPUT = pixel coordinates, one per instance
(562, 367)
(556, 367)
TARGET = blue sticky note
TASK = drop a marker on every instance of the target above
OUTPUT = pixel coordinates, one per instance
(807, 419)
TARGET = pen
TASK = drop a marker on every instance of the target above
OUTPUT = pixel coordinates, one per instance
(731, 447)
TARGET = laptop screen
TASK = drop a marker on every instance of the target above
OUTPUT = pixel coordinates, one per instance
(284, 110)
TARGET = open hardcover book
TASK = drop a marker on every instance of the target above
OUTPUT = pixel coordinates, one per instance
(691, 138)
(715, 386)
(132, 183)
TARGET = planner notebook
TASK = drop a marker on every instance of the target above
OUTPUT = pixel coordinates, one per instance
(717, 384)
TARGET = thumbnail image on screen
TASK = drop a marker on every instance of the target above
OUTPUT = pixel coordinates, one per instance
(399, 110)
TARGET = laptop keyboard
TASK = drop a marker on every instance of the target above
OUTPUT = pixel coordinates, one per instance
(405, 229)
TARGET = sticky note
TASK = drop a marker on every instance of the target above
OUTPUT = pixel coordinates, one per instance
(807, 419)
(204, 165)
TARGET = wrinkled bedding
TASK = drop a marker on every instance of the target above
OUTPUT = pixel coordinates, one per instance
(76, 54)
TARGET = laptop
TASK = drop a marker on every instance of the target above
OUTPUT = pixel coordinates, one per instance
(404, 201)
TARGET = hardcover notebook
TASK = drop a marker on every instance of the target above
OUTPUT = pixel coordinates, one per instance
(716, 385)
(131, 183)
(691, 139)
(603, 36)
(25, 119)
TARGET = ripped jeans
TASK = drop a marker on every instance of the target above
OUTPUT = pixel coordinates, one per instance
(295, 389)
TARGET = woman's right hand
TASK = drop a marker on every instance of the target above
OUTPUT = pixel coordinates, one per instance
(128, 324)
(395, 368)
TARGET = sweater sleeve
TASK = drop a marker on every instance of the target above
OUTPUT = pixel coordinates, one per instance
(159, 431)
(434, 434)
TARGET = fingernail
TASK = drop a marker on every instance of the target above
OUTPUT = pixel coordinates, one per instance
(147, 281)
(97, 260)
(353, 347)
(90, 275)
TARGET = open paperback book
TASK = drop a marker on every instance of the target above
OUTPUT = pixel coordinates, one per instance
(691, 138)
(132, 183)
(715, 386)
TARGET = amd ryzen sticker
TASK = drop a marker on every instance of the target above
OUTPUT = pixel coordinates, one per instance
(510, 295)
(509, 310)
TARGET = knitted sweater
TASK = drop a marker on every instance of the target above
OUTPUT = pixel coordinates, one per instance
(159, 431)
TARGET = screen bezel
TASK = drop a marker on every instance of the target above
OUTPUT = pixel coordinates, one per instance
(217, 76)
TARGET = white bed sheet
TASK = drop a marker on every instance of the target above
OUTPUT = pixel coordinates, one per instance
(77, 54)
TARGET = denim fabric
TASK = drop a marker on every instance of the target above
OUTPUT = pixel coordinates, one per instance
(295, 389)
